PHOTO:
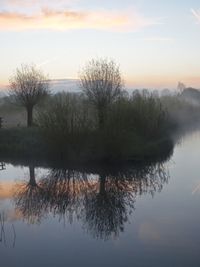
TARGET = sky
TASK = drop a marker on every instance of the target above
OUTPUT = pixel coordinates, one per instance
(156, 43)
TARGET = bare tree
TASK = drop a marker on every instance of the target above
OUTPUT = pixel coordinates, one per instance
(28, 86)
(181, 87)
(101, 82)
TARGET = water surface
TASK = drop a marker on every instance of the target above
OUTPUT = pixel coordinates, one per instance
(136, 216)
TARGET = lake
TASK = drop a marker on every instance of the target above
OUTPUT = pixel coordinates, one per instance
(140, 215)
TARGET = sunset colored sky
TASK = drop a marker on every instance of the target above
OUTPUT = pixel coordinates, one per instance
(155, 42)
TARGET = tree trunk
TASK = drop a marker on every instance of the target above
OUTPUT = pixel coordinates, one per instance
(102, 184)
(101, 117)
(29, 116)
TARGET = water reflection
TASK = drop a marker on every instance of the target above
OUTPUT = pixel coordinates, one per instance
(65, 191)
(109, 204)
(7, 231)
(28, 197)
(2, 166)
(102, 202)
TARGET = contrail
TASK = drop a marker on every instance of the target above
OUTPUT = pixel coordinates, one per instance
(196, 14)
(47, 61)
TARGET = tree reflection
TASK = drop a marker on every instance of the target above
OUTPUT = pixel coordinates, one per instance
(2, 166)
(107, 207)
(146, 178)
(102, 202)
(28, 198)
(64, 191)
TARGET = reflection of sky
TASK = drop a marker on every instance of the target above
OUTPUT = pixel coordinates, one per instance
(171, 219)
(13, 173)
(156, 42)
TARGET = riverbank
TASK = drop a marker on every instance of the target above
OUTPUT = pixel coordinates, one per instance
(31, 143)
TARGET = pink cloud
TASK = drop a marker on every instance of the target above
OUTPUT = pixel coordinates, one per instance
(69, 19)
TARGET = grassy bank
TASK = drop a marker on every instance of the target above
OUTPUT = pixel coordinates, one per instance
(22, 142)
(135, 128)
(29, 143)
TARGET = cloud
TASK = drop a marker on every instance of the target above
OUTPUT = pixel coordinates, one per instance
(67, 19)
(158, 39)
(20, 3)
(196, 14)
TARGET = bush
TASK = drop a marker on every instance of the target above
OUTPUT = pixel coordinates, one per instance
(67, 123)
(70, 125)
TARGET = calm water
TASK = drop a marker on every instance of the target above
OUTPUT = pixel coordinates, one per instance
(139, 216)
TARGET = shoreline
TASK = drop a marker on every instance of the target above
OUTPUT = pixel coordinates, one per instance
(28, 144)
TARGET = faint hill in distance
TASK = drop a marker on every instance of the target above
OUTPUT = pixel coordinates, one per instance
(64, 85)
(56, 86)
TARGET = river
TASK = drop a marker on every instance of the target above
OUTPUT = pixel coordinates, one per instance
(138, 216)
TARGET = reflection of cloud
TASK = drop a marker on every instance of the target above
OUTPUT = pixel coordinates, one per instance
(148, 232)
(6, 189)
(14, 215)
(196, 14)
(65, 20)
(167, 232)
